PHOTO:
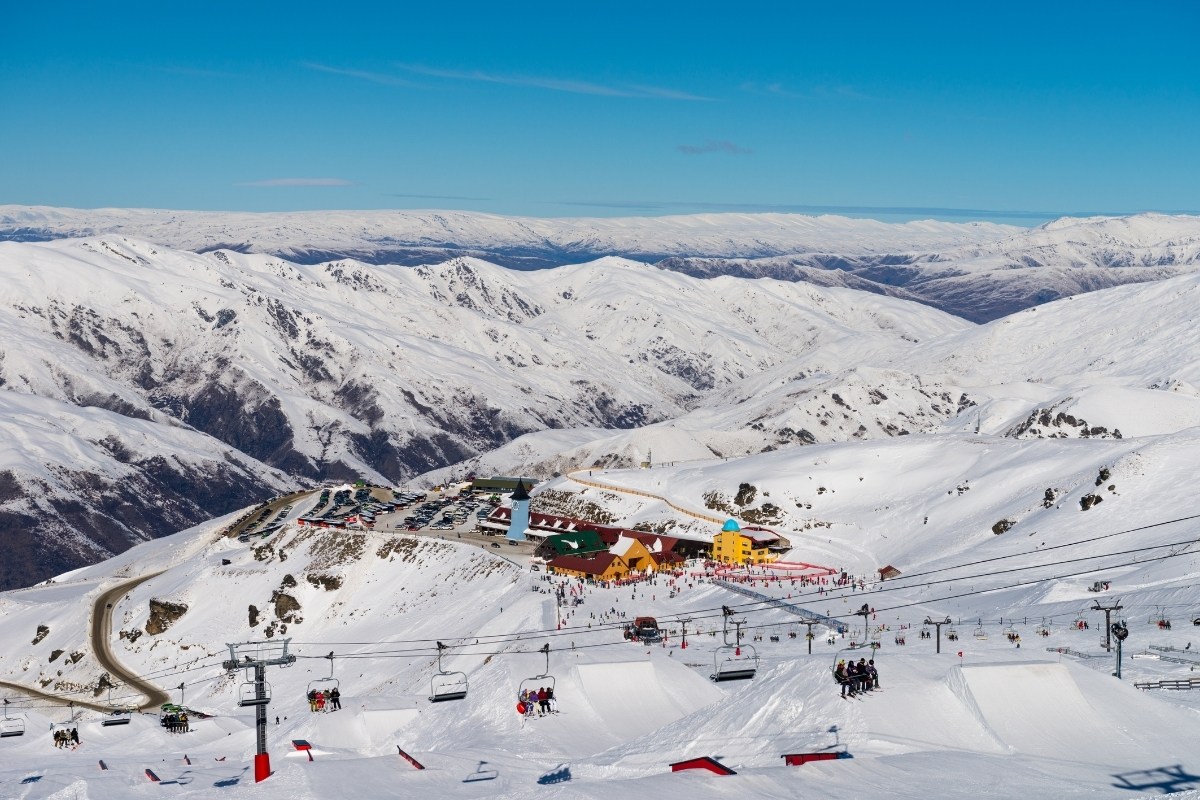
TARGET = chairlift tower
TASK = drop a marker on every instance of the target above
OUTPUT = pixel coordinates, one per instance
(809, 635)
(258, 656)
(1108, 610)
(938, 624)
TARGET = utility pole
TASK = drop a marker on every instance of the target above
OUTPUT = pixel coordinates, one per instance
(938, 625)
(258, 656)
(1107, 621)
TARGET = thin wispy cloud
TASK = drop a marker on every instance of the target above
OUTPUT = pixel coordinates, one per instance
(711, 146)
(298, 182)
(373, 77)
(780, 90)
(555, 84)
(440, 197)
(777, 89)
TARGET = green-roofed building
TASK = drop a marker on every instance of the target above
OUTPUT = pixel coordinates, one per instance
(575, 543)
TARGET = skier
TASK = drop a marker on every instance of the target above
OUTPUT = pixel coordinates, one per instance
(335, 699)
(842, 677)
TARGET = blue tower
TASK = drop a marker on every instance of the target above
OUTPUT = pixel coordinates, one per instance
(519, 520)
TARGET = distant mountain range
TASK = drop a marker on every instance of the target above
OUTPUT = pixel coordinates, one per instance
(148, 386)
(979, 271)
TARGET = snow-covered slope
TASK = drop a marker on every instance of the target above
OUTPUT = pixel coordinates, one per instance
(982, 713)
(344, 370)
(979, 271)
(987, 281)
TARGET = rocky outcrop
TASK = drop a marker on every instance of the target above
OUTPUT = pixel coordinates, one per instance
(162, 614)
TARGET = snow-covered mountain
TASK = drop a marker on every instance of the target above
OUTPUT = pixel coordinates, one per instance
(979, 271)
(987, 281)
(423, 237)
(295, 373)
(343, 370)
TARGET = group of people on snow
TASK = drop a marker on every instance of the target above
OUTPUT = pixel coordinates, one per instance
(540, 700)
(324, 700)
(176, 722)
(66, 738)
(856, 677)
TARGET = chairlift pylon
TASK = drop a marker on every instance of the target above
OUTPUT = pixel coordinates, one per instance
(447, 685)
(733, 662)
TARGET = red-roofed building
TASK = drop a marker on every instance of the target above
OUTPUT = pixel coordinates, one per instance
(602, 566)
(542, 525)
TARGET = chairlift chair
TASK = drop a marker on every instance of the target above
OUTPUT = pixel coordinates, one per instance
(980, 633)
(325, 684)
(733, 662)
(11, 726)
(69, 723)
(1160, 619)
(117, 717)
(545, 680)
(446, 685)
(951, 634)
(248, 694)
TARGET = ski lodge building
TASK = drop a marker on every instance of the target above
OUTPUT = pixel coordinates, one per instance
(737, 545)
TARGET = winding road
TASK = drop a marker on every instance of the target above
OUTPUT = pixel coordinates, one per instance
(100, 635)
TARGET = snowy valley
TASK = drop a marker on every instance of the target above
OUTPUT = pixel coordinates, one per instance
(1004, 470)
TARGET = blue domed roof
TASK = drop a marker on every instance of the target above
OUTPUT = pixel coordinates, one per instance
(731, 525)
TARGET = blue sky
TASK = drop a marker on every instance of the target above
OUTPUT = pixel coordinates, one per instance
(955, 111)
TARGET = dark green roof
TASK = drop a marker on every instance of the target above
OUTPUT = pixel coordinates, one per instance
(575, 543)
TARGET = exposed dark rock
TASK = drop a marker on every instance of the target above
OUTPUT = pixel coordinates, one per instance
(162, 614)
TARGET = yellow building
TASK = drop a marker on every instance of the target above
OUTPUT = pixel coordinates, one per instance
(601, 567)
(751, 546)
(627, 555)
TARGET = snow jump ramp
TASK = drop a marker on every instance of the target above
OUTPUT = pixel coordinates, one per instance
(1058, 710)
(628, 699)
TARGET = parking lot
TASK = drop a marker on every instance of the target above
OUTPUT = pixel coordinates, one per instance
(434, 515)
